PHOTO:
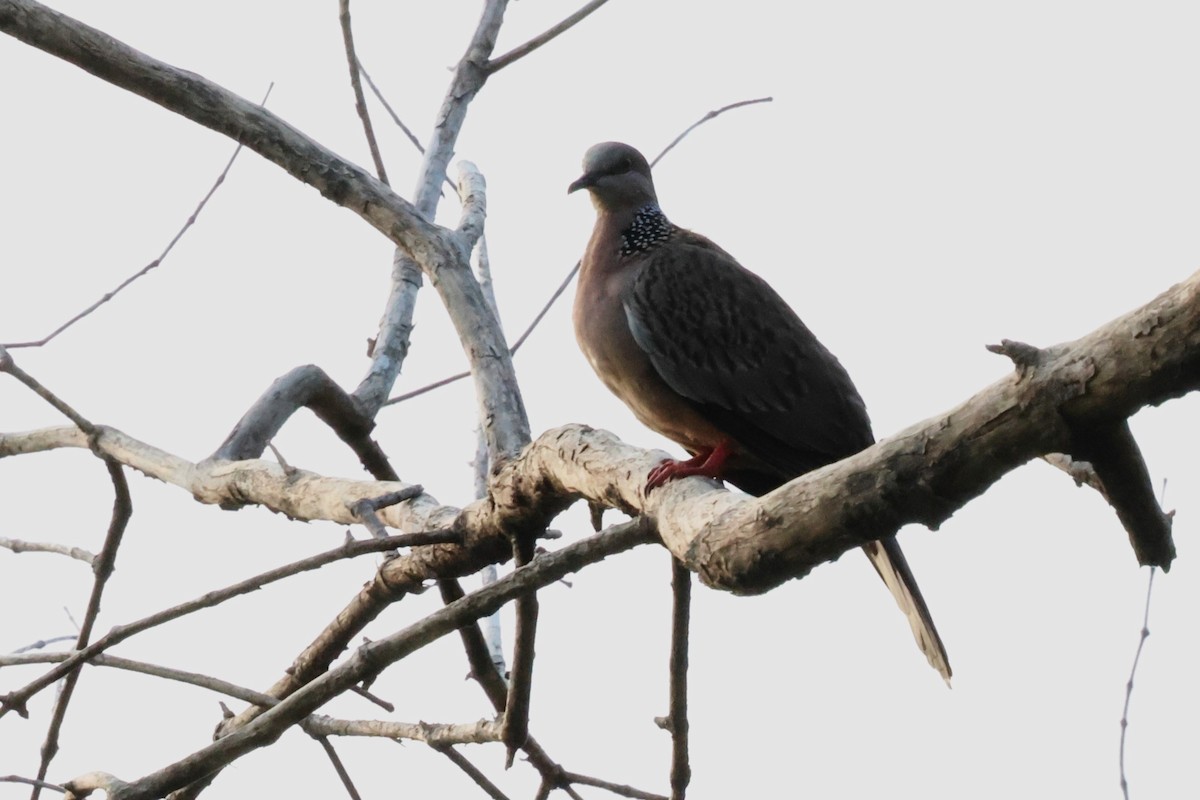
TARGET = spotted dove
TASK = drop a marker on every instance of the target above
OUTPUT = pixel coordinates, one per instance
(706, 353)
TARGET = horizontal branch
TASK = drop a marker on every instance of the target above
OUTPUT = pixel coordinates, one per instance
(433, 734)
(19, 546)
(742, 544)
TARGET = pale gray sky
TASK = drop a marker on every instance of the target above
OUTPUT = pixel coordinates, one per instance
(931, 177)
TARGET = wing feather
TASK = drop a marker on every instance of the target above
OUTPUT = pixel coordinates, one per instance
(722, 337)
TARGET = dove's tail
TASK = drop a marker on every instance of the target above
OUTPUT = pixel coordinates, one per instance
(889, 561)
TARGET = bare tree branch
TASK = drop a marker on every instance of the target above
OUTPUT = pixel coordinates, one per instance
(371, 658)
(18, 546)
(681, 589)
(8, 365)
(360, 102)
(120, 633)
(412, 137)
(499, 63)
(498, 396)
(153, 264)
(154, 670)
(1137, 657)
(439, 252)
(37, 784)
(41, 644)
(481, 780)
(710, 115)
(338, 766)
(485, 673)
(562, 287)
(738, 543)
(615, 788)
(520, 683)
(102, 567)
(436, 735)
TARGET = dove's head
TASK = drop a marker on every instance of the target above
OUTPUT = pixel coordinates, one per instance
(617, 176)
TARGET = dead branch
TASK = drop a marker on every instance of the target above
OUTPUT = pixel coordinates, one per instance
(437, 735)
(120, 633)
(19, 546)
(1143, 635)
(615, 788)
(740, 544)
(681, 588)
(473, 772)
(369, 659)
(191, 220)
(338, 767)
(360, 102)
(520, 683)
(102, 567)
(500, 62)
(440, 253)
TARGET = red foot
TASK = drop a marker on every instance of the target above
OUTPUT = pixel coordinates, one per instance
(708, 463)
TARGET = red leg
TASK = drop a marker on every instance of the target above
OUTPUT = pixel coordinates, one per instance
(709, 463)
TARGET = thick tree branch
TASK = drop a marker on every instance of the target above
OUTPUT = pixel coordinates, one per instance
(746, 545)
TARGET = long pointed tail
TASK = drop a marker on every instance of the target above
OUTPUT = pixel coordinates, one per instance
(889, 561)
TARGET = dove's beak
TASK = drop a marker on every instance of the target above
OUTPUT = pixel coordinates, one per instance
(583, 183)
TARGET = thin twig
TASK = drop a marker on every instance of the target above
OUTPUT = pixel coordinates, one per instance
(32, 782)
(154, 670)
(41, 644)
(17, 699)
(497, 64)
(615, 788)
(710, 115)
(360, 102)
(1145, 633)
(7, 364)
(412, 137)
(562, 287)
(366, 508)
(18, 546)
(681, 588)
(103, 568)
(156, 262)
(481, 780)
(377, 700)
(338, 766)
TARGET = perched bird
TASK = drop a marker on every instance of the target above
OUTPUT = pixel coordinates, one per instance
(706, 353)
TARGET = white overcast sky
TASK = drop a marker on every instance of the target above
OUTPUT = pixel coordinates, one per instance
(931, 177)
